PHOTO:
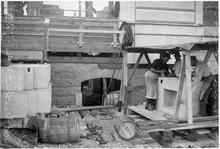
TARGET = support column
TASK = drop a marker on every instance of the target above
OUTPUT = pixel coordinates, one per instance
(125, 81)
(181, 82)
(189, 88)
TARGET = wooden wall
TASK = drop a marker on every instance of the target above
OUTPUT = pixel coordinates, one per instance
(165, 22)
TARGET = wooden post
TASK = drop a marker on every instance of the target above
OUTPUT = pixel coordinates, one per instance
(80, 42)
(46, 30)
(125, 81)
(121, 90)
(148, 59)
(115, 35)
(80, 9)
(181, 82)
(134, 69)
(189, 88)
(104, 89)
(207, 56)
(216, 55)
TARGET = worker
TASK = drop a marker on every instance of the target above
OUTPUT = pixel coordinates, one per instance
(159, 68)
(177, 64)
(204, 82)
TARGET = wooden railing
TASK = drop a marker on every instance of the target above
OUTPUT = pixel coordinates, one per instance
(60, 34)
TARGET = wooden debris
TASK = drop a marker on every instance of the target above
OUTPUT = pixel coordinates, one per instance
(9, 139)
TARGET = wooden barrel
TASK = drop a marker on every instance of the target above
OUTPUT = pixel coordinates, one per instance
(58, 130)
(125, 127)
(112, 98)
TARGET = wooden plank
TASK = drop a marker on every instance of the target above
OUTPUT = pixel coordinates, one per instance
(181, 126)
(148, 59)
(173, 121)
(216, 56)
(81, 108)
(180, 5)
(207, 56)
(166, 16)
(45, 58)
(65, 39)
(168, 30)
(85, 60)
(125, 81)
(134, 68)
(109, 66)
(180, 90)
(189, 88)
(153, 115)
(26, 55)
(61, 47)
(86, 31)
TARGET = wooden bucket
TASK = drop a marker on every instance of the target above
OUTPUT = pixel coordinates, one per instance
(125, 127)
(58, 130)
(112, 98)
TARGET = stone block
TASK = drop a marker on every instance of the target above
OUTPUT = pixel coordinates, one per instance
(13, 104)
(12, 78)
(44, 100)
(41, 76)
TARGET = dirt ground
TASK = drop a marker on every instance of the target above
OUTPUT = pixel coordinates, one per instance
(109, 137)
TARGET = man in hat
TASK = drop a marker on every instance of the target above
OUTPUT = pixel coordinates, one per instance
(159, 67)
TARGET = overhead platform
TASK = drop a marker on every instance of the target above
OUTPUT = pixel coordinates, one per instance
(195, 46)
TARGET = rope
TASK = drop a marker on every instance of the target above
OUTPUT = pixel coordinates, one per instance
(109, 86)
(127, 41)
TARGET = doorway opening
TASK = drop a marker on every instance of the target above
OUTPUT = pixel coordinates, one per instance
(93, 90)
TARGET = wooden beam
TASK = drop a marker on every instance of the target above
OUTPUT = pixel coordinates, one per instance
(189, 88)
(60, 47)
(135, 67)
(80, 42)
(104, 81)
(181, 82)
(125, 81)
(216, 55)
(27, 55)
(121, 96)
(207, 56)
(45, 58)
(85, 60)
(109, 66)
(181, 126)
(81, 108)
(148, 59)
(86, 31)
